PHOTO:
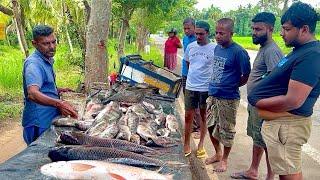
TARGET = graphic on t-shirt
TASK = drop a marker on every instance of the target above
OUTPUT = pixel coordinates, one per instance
(218, 66)
(282, 61)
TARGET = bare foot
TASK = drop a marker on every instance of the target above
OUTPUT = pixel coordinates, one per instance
(244, 175)
(222, 166)
(213, 159)
(187, 149)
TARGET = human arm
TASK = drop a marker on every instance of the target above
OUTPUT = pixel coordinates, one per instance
(36, 96)
(296, 95)
(245, 68)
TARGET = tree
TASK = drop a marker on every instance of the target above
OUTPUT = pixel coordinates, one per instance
(17, 13)
(96, 38)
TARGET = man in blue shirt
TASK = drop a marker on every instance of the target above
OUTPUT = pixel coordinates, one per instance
(41, 95)
(285, 98)
(231, 69)
(189, 31)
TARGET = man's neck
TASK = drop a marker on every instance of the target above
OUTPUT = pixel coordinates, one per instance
(269, 40)
(227, 44)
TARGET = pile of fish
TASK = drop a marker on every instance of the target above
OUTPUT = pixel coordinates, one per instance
(119, 125)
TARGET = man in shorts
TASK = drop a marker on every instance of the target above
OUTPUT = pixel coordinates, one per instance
(267, 58)
(231, 69)
(285, 98)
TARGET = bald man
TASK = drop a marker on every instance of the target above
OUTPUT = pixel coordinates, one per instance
(231, 69)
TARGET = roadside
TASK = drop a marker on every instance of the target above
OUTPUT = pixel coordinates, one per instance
(11, 141)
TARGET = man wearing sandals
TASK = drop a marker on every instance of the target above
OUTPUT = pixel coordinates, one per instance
(199, 56)
(267, 58)
(231, 69)
(285, 98)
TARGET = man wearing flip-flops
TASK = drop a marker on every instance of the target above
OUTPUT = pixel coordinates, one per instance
(267, 58)
(231, 69)
(199, 56)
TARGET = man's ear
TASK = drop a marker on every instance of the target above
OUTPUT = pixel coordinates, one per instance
(305, 29)
(34, 42)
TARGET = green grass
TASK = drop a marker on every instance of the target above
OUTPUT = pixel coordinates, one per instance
(246, 42)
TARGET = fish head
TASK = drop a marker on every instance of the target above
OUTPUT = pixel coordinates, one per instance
(68, 137)
(59, 153)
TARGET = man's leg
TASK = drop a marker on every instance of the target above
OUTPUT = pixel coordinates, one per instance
(227, 122)
(270, 174)
(291, 177)
(203, 127)
(216, 144)
(187, 130)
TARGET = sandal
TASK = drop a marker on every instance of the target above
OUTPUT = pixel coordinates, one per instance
(201, 153)
(187, 154)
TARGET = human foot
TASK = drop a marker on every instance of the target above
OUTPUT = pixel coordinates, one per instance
(243, 175)
(213, 159)
(222, 166)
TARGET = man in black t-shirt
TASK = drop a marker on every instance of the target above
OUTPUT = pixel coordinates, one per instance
(285, 98)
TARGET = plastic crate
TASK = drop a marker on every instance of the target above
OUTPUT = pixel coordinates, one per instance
(137, 70)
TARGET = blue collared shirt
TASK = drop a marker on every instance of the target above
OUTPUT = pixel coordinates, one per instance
(38, 70)
(186, 41)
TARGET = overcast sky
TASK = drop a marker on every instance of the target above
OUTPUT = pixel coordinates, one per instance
(226, 5)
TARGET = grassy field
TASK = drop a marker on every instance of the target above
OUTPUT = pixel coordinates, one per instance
(67, 72)
(246, 42)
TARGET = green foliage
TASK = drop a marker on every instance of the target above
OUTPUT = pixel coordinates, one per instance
(114, 63)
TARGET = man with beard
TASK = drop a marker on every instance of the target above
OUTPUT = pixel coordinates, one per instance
(41, 95)
(267, 58)
(285, 98)
(231, 69)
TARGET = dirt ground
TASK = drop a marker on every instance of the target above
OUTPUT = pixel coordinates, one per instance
(11, 141)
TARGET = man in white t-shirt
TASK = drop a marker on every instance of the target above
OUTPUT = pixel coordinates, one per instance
(199, 56)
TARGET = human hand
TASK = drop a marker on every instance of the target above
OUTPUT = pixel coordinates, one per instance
(67, 109)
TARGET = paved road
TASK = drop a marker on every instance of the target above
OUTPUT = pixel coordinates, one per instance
(240, 156)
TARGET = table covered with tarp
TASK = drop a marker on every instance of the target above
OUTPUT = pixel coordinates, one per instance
(26, 164)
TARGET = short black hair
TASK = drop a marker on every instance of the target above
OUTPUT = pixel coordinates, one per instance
(204, 25)
(189, 20)
(265, 17)
(300, 14)
(228, 22)
(41, 30)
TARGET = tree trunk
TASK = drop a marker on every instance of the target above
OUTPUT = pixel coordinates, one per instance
(69, 40)
(124, 31)
(20, 28)
(96, 38)
(142, 36)
(285, 6)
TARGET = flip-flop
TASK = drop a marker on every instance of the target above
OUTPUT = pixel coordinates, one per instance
(201, 153)
(187, 154)
(241, 175)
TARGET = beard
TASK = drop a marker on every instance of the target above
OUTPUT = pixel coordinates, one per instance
(260, 39)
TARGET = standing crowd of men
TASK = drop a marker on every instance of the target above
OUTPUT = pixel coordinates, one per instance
(282, 90)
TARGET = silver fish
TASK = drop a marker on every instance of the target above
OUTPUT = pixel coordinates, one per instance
(133, 121)
(111, 113)
(126, 96)
(148, 134)
(172, 123)
(97, 129)
(65, 122)
(110, 132)
(78, 138)
(65, 153)
(90, 169)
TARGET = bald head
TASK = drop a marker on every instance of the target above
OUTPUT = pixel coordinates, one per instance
(227, 23)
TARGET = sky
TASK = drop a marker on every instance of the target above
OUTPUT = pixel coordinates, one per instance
(226, 5)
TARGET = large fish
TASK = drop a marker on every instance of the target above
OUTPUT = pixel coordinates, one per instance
(172, 123)
(65, 153)
(65, 122)
(89, 169)
(126, 96)
(110, 132)
(78, 138)
(148, 134)
(133, 121)
(124, 133)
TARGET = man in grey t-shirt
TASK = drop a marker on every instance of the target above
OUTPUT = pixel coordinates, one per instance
(267, 58)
